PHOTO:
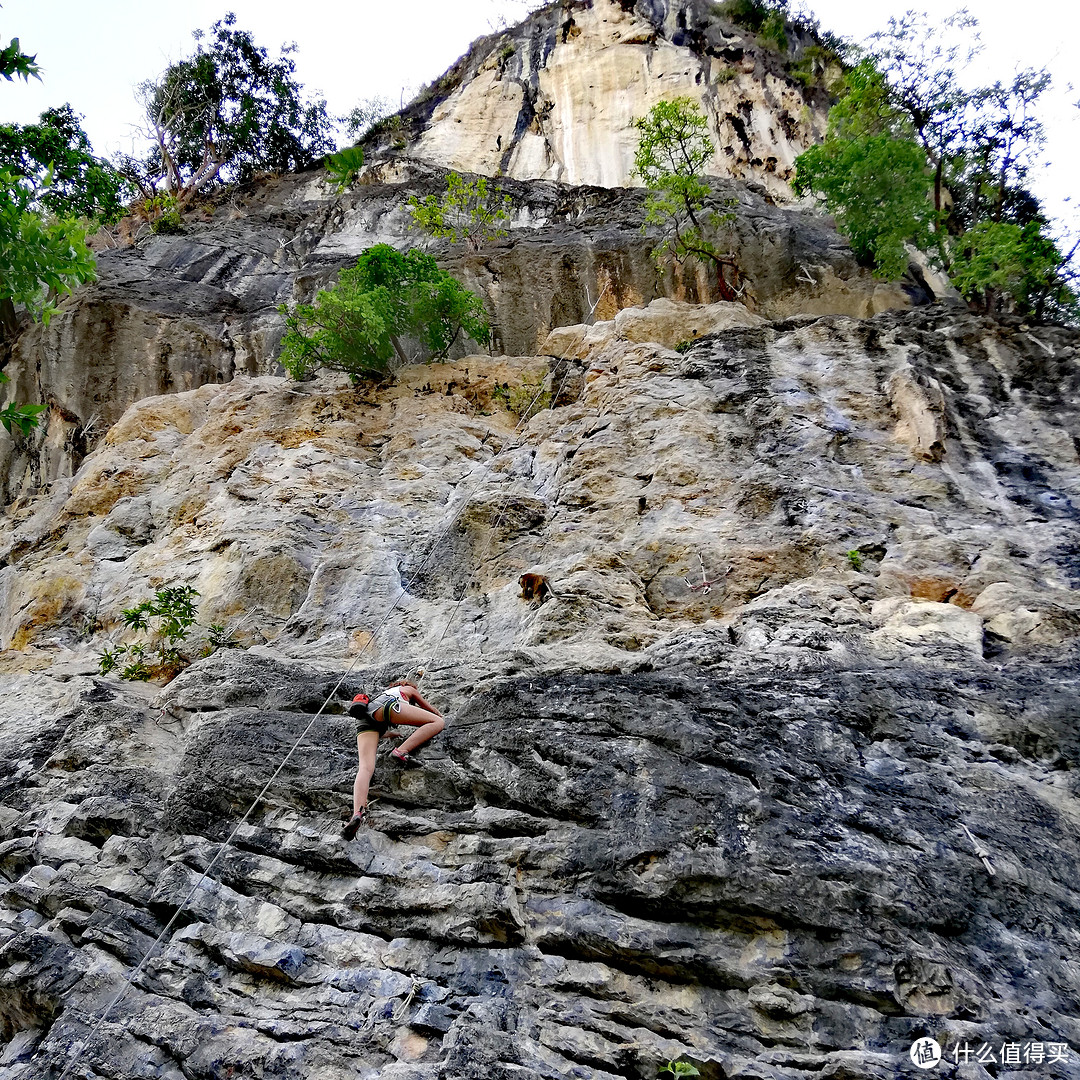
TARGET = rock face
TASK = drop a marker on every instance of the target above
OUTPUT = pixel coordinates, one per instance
(555, 98)
(774, 778)
(172, 313)
(722, 825)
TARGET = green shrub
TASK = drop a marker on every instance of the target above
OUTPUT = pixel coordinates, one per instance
(529, 398)
(357, 325)
(168, 618)
(344, 167)
(470, 212)
(854, 557)
(23, 417)
(162, 213)
(678, 1068)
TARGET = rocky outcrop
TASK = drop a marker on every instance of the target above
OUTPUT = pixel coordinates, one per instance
(555, 98)
(709, 801)
(172, 313)
(798, 464)
(589, 876)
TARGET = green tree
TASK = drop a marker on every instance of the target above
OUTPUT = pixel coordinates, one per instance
(470, 212)
(56, 158)
(42, 255)
(872, 173)
(999, 261)
(920, 65)
(358, 325)
(227, 112)
(674, 147)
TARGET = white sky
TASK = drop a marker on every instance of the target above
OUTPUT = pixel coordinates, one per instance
(93, 52)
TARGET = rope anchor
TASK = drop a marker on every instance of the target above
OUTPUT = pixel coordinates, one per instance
(706, 584)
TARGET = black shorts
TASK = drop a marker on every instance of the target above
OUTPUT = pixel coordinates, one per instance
(365, 716)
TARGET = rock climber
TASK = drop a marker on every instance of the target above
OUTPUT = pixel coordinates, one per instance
(399, 703)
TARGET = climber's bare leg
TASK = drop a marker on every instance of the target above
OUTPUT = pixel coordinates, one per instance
(428, 725)
(367, 742)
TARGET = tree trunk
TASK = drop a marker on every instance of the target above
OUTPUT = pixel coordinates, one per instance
(398, 349)
(9, 321)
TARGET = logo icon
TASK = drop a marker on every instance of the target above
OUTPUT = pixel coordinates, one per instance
(925, 1053)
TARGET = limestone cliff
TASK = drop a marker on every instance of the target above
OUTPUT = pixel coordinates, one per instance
(174, 312)
(779, 777)
(555, 97)
(723, 826)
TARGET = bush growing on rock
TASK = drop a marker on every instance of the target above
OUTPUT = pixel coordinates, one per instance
(363, 321)
(470, 212)
(170, 618)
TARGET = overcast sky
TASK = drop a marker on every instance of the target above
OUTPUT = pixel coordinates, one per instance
(93, 52)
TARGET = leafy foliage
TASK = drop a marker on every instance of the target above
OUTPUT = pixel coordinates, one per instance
(40, 256)
(757, 16)
(169, 618)
(674, 147)
(344, 167)
(15, 63)
(999, 260)
(470, 212)
(227, 112)
(357, 326)
(919, 65)
(23, 417)
(878, 188)
(910, 158)
(676, 1068)
(55, 157)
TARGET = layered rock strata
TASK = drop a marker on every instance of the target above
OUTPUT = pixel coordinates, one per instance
(171, 313)
(749, 825)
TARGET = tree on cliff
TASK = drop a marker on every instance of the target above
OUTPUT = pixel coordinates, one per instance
(673, 148)
(357, 325)
(912, 159)
(228, 112)
(51, 188)
(469, 212)
(872, 174)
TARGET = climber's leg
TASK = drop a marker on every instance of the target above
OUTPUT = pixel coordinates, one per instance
(428, 726)
(367, 743)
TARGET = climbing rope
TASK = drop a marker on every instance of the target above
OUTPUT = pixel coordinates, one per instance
(223, 847)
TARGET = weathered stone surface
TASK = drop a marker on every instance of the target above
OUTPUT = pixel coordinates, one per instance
(555, 98)
(589, 875)
(666, 322)
(765, 458)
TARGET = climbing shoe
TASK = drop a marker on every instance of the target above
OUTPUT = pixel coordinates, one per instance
(405, 760)
(354, 823)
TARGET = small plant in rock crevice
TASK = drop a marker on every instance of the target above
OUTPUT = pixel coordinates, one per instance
(854, 557)
(170, 619)
(529, 398)
(677, 1068)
